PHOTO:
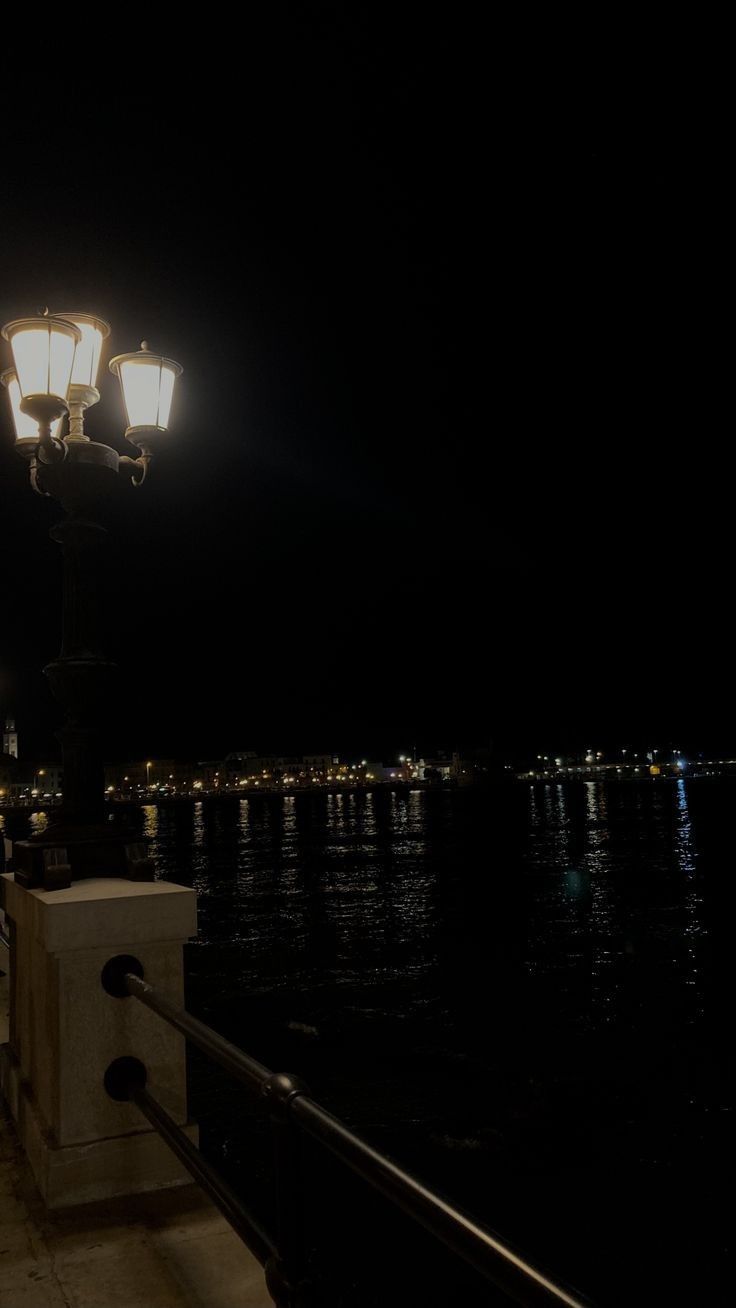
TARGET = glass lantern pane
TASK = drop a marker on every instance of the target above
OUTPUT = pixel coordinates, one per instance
(62, 360)
(31, 357)
(141, 381)
(87, 357)
(166, 394)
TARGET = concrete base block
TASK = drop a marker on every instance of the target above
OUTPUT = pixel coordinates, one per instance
(128, 1164)
(66, 1030)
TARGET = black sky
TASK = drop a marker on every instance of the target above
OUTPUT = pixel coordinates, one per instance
(450, 458)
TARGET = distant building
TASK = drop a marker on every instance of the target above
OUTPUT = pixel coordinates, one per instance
(48, 779)
(211, 775)
(8, 776)
(400, 771)
(152, 774)
(239, 760)
(439, 768)
(10, 738)
(248, 767)
(20, 783)
(460, 770)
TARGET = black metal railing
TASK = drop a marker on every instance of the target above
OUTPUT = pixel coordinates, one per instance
(295, 1113)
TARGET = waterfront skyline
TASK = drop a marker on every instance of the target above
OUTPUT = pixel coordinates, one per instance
(460, 762)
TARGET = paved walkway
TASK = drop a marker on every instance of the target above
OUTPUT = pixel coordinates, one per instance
(171, 1249)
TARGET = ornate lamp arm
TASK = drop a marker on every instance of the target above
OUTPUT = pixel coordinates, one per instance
(50, 448)
(34, 469)
(136, 467)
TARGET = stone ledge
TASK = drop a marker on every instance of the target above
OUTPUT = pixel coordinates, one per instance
(101, 908)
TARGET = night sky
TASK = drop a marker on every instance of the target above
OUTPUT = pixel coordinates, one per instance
(450, 459)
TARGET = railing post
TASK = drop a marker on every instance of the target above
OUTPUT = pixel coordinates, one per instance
(286, 1275)
(66, 1030)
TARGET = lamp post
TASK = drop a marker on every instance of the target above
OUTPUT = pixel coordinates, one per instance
(54, 374)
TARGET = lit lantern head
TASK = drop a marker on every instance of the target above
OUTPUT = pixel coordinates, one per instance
(93, 331)
(43, 355)
(147, 381)
(26, 427)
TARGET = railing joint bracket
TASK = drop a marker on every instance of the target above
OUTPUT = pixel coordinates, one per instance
(280, 1089)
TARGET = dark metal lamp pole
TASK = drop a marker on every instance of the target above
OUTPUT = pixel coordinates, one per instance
(55, 367)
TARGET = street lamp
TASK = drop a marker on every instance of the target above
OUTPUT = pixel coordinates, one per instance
(147, 382)
(83, 391)
(26, 427)
(43, 358)
(56, 359)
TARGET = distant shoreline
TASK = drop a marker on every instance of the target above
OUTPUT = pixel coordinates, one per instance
(163, 799)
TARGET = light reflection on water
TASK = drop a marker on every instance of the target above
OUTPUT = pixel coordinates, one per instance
(338, 882)
(604, 983)
(352, 885)
(150, 825)
(36, 822)
(616, 901)
(692, 900)
(371, 887)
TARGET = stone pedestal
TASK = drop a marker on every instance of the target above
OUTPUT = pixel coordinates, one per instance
(65, 1030)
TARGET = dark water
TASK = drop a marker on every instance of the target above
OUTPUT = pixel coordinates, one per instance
(524, 995)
